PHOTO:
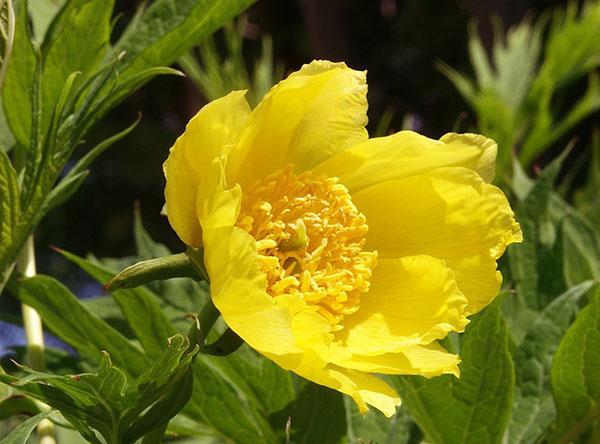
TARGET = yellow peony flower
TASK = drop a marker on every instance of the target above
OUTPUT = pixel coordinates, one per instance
(335, 255)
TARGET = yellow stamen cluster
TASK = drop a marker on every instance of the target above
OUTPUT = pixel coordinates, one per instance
(310, 239)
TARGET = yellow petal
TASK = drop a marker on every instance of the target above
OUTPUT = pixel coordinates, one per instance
(313, 114)
(216, 125)
(484, 163)
(238, 292)
(412, 300)
(312, 332)
(406, 154)
(217, 206)
(365, 389)
(362, 387)
(424, 360)
(450, 214)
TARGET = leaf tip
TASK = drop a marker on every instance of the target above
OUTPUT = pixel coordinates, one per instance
(56, 249)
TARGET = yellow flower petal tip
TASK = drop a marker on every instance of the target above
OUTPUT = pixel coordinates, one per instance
(337, 256)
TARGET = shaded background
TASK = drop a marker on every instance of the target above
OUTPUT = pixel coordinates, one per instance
(396, 41)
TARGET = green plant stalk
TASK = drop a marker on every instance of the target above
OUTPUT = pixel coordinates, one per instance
(579, 427)
(34, 334)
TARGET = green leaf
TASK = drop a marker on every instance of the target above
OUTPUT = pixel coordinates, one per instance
(50, 394)
(226, 402)
(42, 13)
(571, 28)
(533, 407)
(476, 407)
(232, 395)
(581, 245)
(7, 139)
(574, 377)
(168, 28)
(7, 31)
(461, 82)
(65, 316)
(177, 296)
(536, 265)
(64, 190)
(181, 295)
(139, 307)
(92, 154)
(156, 436)
(119, 411)
(171, 368)
(316, 415)
(147, 248)
(79, 24)
(267, 386)
(18, 82)
(514, 61)
(498, 92)
(104, 103)
(216, 71)
(518, 315)
(587, 199)
(21, 433)
(9, 205)
(546, 130)
(105, 307)
(374, 427)
(169, 406)
(17, 405)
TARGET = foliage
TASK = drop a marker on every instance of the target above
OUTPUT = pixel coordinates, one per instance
(574, 377)
(21, 433)
(54, 93)
(514, 400)
(216, 77)
(7, 32)
(476, 407)
(514, 95)
(120, 411)
(529, 361)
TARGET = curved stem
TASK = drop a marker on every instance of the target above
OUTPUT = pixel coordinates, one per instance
(34, 334)
(579, 427)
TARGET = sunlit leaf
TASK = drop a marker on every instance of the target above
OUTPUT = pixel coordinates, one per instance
(574, 378)
(9, 201)
(533, 406)
(66, 317)
(105, 401)
(168, 28)
(79, 24)
(476, 407)
(18, 82)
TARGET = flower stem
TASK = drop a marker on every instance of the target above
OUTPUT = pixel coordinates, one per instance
(34, 334)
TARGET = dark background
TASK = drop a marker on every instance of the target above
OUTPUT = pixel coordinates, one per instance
(396, 41)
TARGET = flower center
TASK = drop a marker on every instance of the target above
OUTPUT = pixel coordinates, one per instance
(310, 240)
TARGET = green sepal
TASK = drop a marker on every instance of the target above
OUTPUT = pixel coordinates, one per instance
(196, 256)
(167, 267)
(226, 344)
